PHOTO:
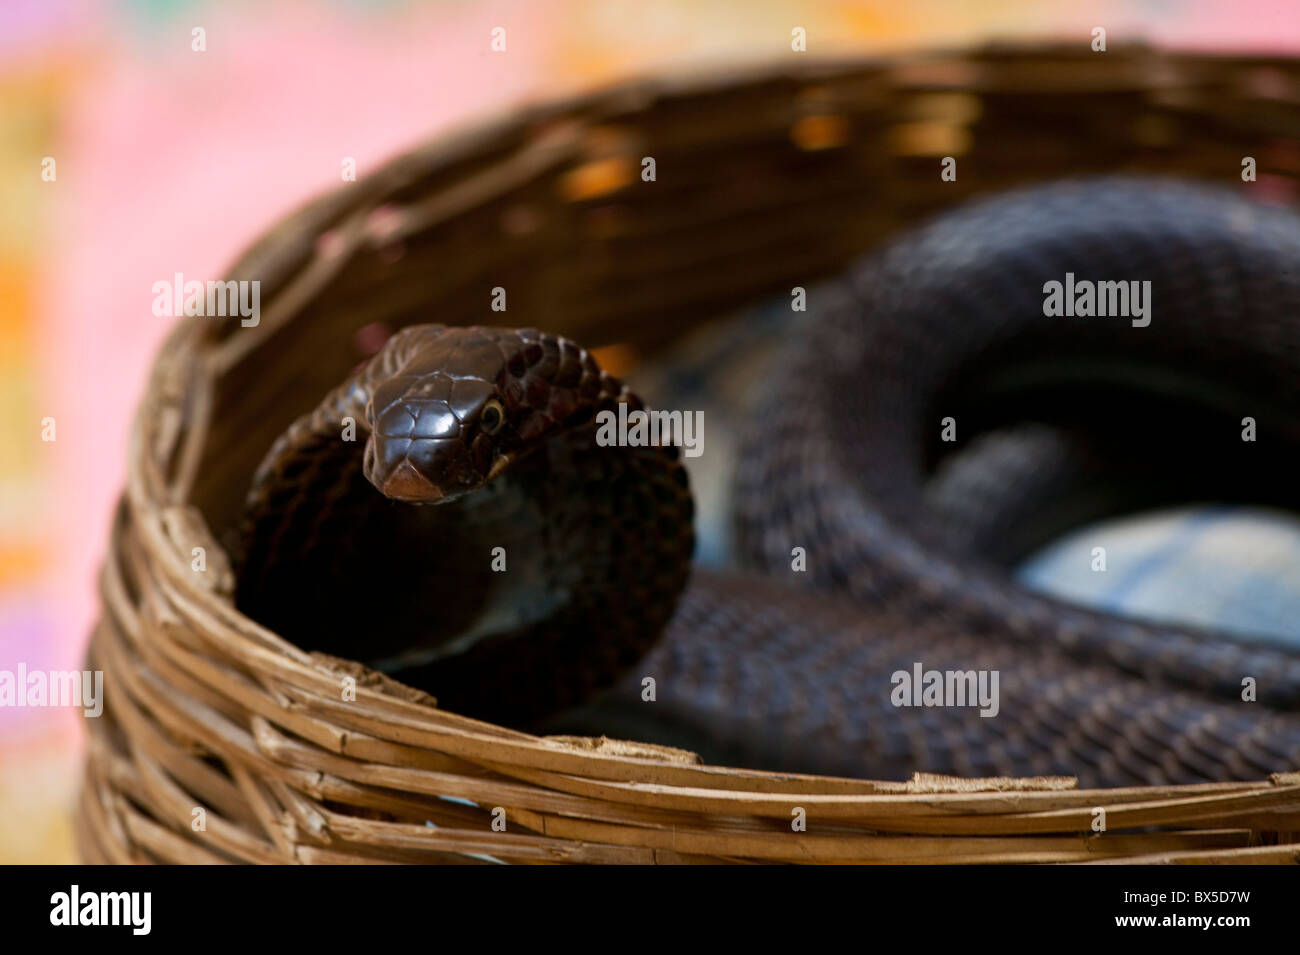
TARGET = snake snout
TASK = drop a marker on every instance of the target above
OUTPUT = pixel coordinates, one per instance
(406, 483)
(420, 471)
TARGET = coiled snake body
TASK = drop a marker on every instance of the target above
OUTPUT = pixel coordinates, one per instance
(540, 568)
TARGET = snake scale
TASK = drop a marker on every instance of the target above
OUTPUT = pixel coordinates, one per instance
(520, 571)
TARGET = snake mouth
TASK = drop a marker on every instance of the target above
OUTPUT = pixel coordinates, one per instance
(406, 483)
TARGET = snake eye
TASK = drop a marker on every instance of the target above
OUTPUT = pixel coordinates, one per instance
(492, 418)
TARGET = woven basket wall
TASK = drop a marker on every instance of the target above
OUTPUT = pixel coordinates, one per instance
(766, 179)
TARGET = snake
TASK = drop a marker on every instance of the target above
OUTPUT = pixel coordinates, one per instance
(452, 514)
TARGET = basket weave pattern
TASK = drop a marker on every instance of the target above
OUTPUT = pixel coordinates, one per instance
(221, 742)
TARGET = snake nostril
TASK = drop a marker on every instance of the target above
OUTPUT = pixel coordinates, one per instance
(368, 460)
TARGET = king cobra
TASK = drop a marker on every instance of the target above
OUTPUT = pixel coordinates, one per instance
(448, 516)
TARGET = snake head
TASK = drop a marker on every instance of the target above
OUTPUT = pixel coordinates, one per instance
(451, 407)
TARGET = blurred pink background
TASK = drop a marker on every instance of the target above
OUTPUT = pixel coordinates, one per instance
(171, 160)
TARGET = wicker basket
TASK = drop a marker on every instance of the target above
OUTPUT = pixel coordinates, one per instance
(221, 742)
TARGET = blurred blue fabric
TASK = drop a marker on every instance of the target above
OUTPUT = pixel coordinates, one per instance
(1232, 569)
